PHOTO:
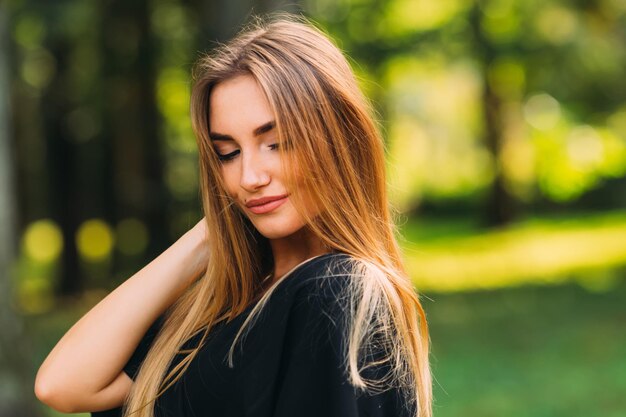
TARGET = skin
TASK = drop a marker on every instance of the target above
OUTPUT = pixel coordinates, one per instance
(84, 370)
(238, 108)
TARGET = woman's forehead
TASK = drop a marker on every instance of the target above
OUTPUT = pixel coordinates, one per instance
(238, 105)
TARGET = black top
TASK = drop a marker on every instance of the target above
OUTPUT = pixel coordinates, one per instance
(288, 365)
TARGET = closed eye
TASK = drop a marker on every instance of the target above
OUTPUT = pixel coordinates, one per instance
(228, 156)
(286, 145)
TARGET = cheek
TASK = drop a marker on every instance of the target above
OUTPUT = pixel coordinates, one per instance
(230, 179)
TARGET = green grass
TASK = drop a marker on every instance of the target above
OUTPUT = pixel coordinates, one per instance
(529, 352)
(533, 351)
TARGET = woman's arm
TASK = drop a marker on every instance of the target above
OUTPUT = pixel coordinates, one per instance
(84, 370)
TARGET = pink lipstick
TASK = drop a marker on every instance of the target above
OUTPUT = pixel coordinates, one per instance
(266, 204)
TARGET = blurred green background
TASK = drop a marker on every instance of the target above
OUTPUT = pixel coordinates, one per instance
(505, 125)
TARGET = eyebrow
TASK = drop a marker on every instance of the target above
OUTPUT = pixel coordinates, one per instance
(264, 128)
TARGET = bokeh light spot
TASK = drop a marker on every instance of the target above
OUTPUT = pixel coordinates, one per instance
(542, 111)
(584, 147)
(38, 68)
(43, 241)
(35, 295)
(132, 236)
(507, 77)
(29, 31)
(94, 240)
(556, 24)
(83, 123)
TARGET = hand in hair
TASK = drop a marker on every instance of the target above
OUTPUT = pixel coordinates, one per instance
(84, 370)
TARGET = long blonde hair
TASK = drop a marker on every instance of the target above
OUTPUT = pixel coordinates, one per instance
(329, 127)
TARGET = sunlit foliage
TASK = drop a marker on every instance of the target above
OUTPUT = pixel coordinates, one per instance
(554, 69)
(557, 69)
(433, 131)
(537, 252)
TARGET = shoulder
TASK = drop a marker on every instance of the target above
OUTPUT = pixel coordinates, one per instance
(324, 292)
(335, 263)
(326, 276)
(317, 296)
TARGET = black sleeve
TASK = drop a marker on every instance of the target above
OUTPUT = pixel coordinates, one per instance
(313, 380)
(132, 366)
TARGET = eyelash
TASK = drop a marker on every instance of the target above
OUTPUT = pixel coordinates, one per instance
(230, 156)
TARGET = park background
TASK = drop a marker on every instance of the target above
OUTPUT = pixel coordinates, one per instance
(505, 128)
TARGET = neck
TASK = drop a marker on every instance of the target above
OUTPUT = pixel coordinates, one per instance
(290, 251)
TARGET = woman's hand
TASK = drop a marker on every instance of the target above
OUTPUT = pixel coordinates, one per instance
(83, 372)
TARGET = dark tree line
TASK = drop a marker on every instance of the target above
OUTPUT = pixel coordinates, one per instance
(88, 138)
(96, 124)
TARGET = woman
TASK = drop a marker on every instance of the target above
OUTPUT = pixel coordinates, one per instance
(289, 298)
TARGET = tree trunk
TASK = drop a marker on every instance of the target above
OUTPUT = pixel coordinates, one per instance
(131, 120)
(500, 204)
(65, 202)
(15, 369)
(219, 20)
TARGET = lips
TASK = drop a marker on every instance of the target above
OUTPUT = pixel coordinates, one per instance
(266, 204)
(264, 200)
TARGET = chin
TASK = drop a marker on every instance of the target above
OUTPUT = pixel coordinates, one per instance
(278, 230)
(278, 234)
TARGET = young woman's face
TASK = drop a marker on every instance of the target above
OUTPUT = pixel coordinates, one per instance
(246, 141)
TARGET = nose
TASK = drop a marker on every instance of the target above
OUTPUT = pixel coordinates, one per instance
(253, 173)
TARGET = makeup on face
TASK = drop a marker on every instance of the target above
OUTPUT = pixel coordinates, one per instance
(244, 135)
